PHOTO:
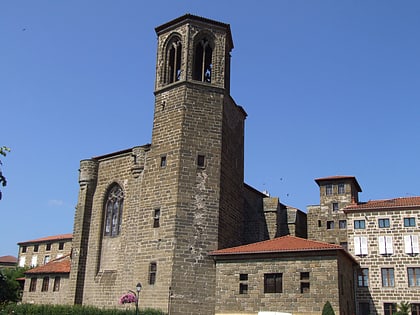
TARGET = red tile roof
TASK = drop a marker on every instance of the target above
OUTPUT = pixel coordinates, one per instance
(339, 177)
(60, 237)
(280, 244)
(385, 204)
(59, 265)
(8, 259)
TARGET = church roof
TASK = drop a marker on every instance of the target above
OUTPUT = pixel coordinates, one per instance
(59, 265)
(53, 238)
(385, 204)
(278, 245)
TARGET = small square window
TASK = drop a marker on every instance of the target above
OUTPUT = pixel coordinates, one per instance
(359, 224)
(36, 248)
(409, 222)
(328, 190)
(243, 277)
(201, 160)
(243, 288)
(163, 161)
(304, 275)
(341, 189)
(330, 225)
(273, 283)
(335, 206)
(23, 249)
(61, 246)
(383, 223)
(342, 224)
(48, 246)
(304, 287)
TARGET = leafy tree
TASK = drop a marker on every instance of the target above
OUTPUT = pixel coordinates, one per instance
(3, 181)
(10, 289)
(403, 308)
(327, 309)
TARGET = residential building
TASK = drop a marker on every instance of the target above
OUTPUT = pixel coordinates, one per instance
(8, 261)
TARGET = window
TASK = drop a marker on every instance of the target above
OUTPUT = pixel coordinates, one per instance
(273, 283)
(23, 249)
(330, 225)
(342, 224)
(34, 261)
(48, 246)
(329, 190)
(411, 244)
(364, 308)
(413, 277)
(415, 309)
(36, 247)
(319, 223)
(304, 282)
(61, 246)
(363, 277)
(360, 246)
(341, 189)
(409, 222)
(152, 272)
(56, 284)
(200, 160)
(163, 161)
(22, 261)
(335, 206)
(390, 308)
(45, 283)
(32, 286)
(383, 223)
(113, 209)
(203, 61)
(47, 259)
(385, 245)
(359, 224)
(243, 285)
(387, 277)
(174, 60)
(156, 218)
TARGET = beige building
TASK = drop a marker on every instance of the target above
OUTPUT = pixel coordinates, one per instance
(42, 250)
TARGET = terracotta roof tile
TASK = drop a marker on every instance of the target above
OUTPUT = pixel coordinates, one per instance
(68, 236)
(8, 259)
(385, 204)
(59, 265)
(280, 244)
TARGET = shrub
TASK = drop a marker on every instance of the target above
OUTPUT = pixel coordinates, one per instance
(327, 309)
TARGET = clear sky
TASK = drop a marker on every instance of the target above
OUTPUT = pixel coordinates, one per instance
(330, 88)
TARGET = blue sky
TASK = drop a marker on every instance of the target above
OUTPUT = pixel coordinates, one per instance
(330, 88)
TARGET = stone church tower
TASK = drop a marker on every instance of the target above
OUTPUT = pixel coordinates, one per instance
(151, 214)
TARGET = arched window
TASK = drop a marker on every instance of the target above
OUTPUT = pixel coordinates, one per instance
(113, 211)
(203, 61)
(173, 57)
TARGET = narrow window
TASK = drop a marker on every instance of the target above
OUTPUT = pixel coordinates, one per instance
(163, 161)
(156, 218)
(113, 209)
(415, 309)
(22, 261)
(200, 160)
(48, 246)
(319, 223)
(61, 246)
(243, 285)
(36, 247)
(387, 277)
(32, 286)
(409, 222)
(152, 272)
(385, 245)
(411, 244)
(23, 249)
(304, 282)
(341, 189)
(363, 277)
(359, 224)
(390, 308)
(174, 61)
(273, 283)
(383, 223)
(34, 261)
(56, 284)
(360, 246)
(45, 283)
(335, 206)
(329, 190)
(47, 259)
(413, 277)
(203, 61)
(330, 225)
(342, 224)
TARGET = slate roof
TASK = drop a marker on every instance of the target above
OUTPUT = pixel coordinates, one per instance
(385, 204)
(60, 237)
(59, 265)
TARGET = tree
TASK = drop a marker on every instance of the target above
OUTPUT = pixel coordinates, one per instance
(3, 181)
(10, 289)
(403, 308)
(327, 309)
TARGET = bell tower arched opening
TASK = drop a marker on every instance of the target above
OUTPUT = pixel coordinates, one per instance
(203, 64)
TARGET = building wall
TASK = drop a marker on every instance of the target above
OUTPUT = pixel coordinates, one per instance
(325, 271)
(46, 297)
(376, 294)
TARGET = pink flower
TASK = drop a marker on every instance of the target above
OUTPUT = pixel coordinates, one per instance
(128, 298)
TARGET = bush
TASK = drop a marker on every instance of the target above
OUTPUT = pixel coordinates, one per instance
(36, 309)
(327, 309)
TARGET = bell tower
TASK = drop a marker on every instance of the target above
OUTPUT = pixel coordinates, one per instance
(196, 161)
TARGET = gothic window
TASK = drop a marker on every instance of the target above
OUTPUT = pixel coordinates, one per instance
(113, 211)
(203, 61)
(173, 57)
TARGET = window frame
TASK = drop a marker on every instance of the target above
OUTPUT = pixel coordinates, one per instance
(410, 222)
(56, 286)
(328, 190)
(330, 225)
(113, 208)
(357, 224)
(32, 285)
(341, 189)
(384, 223)
(152, 272)
(273, 282)
(363, 278)
(45, 284)
(388, 277)
(413, 277)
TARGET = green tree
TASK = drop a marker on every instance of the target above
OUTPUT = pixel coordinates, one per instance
(10, 289)
(327, 309)
(403, 308)
(3, 181)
